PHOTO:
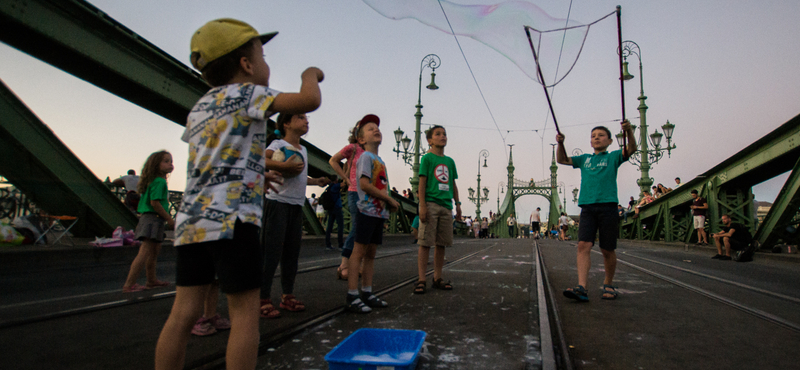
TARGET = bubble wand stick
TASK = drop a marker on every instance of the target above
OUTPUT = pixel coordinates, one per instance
(621, 80)
(541, 78)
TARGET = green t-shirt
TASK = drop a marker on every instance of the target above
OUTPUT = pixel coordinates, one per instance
(157, 190)
(441, 174)
(598, 176)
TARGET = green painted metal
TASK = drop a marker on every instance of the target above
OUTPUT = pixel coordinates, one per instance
(310, 221)
(783, 214)
(519, 188)
(80, 39)
(728, 189)
(40, 165)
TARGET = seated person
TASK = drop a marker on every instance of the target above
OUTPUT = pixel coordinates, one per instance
(646, 199)
(734, 236)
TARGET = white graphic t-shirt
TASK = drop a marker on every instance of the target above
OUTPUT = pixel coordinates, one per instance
(226, 131)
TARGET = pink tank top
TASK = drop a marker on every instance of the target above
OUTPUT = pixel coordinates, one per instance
(347, 153)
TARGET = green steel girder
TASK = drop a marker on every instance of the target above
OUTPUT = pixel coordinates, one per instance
(728, 189)
(40, 165)
(80, 39)
(783, 212)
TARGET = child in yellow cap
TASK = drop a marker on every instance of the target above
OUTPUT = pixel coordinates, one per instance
(217, 228)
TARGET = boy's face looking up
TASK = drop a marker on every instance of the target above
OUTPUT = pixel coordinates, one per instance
(259, 65)
(370, 134)
(438, 138)
(600, 140)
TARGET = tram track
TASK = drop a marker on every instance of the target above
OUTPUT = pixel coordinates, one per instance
(272, 340)
(317, 265)
(761, 314)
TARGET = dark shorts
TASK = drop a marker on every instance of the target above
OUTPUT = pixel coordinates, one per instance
(600, 217)
(535, 227)
(236, 262)
(738, 245)
(150, 226)
(566, 227)
(369, 230)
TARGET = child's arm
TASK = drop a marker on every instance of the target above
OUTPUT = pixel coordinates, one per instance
(423, 207)
(458, 202)
(561, 153)
(374, 192)
(335, 163)
(319, 181)
(287, 168)
(631, 147)
(162, 213)
(308, 99)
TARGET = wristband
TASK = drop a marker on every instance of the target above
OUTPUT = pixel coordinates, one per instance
(458, 203)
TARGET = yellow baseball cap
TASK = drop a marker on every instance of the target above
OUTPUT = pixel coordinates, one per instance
(220, 37)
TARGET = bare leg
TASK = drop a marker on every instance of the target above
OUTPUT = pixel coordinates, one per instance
(422, 262)
(355, 265)
(187, 308)
(584, 261)
(727, 241)
(242, 352)
(610, 263)
(150, 267)
(368, 265)
(719, 247)
(438, 262)
(212, 299)
(147, 249)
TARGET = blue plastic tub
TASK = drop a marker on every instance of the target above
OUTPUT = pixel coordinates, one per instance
(377, 349)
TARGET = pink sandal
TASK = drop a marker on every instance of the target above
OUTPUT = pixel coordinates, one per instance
(157, 284)
(133, 288)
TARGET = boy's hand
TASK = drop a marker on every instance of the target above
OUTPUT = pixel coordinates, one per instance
(458, 212)
(171, 224)
(626, 125)
(393, 205)
(270, 179)
(423, 213)
(315, 72)
(560, 138)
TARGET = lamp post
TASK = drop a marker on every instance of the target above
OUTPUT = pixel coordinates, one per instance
(575, 195)
(431, 61)
(500, 187)
(475, 196)
(644, 157)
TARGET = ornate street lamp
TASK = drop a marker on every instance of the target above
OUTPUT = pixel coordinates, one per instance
(431, 61)
(500, 190)
(644, 157)
(575, 195)
(475, 196)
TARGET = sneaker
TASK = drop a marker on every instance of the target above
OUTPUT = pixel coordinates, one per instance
(219, 322)
(716, 257)
(356, 305)
(725, 258)
(330, 248)
(203, 327)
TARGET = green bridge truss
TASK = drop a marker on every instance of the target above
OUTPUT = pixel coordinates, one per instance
(516, 189)
(82, 40)
(728, 189)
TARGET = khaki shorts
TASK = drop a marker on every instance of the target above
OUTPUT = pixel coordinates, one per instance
(699, 222)
(438, 229)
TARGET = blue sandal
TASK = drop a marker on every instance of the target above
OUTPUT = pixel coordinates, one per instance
(577, 293)
(611, 291)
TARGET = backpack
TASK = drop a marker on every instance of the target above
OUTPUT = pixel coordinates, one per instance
(327, 200)
(745, 255)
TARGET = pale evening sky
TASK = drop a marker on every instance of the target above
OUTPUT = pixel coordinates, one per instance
(724, 72)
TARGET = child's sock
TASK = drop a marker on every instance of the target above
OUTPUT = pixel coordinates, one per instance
(352, 292)
(366, 289)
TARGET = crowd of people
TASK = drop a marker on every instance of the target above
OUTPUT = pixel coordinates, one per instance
(242, 211)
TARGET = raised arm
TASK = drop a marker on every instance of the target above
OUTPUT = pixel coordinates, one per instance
(561, 153)
(308, 99)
